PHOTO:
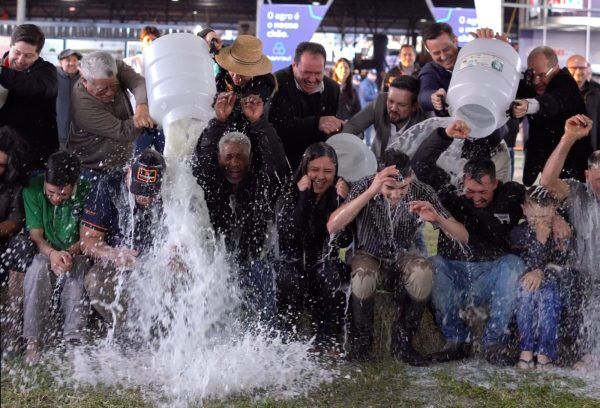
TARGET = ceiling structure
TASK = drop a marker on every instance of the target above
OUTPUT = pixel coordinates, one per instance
(370, 16)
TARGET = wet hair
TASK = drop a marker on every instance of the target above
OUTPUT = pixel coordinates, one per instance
(98, 65)
(63, 169)
(311, 48)
(235, 137)
(547, 52)
(29, 33)
(407, 83)
(541, 196)
(434, 30)
(394, 157)
(312, 152)
(149, 30)
(16, 168)
(479, 167)
(594, 160)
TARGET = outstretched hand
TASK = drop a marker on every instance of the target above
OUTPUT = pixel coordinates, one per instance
(224, 105)
(489, 33)
(578, 126)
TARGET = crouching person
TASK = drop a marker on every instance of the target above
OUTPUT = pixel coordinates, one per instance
(310, 275)
(118, 224)
(53, 204)
(385, 211)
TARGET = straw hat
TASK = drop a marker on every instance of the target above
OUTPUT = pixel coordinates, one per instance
(245, 57)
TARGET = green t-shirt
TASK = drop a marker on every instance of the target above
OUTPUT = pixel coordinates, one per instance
(60, 223)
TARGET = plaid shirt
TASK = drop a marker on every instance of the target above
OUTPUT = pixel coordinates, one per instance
(386, 232)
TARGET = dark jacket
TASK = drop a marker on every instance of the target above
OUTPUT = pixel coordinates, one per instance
(302, 226)
(241, 214)
(376, 114)
(295, 114)
(591, 96)
(396, 72)
(31, 108)
(349, 104)
(263, 85)
(489, 228)
(560, 101)
(63, 104)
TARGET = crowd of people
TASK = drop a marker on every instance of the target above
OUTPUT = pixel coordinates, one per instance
(81, 172)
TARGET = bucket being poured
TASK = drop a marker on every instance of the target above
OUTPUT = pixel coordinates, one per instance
(181, 87)
(484, 83)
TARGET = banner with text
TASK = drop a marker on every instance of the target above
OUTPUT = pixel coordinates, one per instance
(281, 27)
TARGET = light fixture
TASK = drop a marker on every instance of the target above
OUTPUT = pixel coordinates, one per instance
(72, 9)
(423, 20)
(194, 12)
(316, 3)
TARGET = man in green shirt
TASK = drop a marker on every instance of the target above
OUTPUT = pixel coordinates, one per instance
(53, 204)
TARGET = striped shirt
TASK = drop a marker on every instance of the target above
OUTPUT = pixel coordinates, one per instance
(386, 232)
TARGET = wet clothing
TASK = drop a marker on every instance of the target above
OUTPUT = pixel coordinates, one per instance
(60, 223)
(102, 134)
(376, 114)
(560, 101)
(242, 213)
(63, 104)
(295, 114)
(108, 210)
(386, 232)
(30, 107)
(262, 85)
(489, 228)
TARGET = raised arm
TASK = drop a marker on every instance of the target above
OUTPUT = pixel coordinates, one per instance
(576, 127)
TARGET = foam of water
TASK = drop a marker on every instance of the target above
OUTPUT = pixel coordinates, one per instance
(184, 303)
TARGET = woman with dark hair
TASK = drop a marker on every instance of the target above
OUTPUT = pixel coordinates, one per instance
(349, 102)
(311, 275)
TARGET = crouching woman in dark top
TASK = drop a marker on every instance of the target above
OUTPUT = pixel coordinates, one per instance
(310, 274)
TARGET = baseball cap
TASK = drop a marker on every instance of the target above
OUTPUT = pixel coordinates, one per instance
(68, 52)
(147, 173)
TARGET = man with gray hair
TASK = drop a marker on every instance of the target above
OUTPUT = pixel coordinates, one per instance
(548, 100)
(241, 176)
(103, 124)
(590, 91)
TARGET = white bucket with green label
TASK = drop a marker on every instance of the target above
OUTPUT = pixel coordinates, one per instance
(483, 85)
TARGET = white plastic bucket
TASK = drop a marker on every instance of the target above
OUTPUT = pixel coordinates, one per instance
(484, 83)
(179, 79)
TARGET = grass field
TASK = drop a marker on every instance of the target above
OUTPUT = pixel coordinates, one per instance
(384, 383)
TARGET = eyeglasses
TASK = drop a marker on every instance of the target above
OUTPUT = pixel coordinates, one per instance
(543, 75)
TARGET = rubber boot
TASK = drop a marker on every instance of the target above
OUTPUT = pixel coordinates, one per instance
(407, 322)
(363, 315)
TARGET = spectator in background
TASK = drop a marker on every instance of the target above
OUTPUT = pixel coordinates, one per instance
(103, 125)
(590, 91)
(349, 103)
(304, 107)
(30, 107)
(53, 206)
(367, 93)
(150, 136)
(391, 114)
(245, 71)
(406, 66)
(548, 102)
(68, 75)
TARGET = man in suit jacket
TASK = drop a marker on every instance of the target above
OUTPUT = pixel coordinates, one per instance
(553, 99)
(391, 113)
(304, 107)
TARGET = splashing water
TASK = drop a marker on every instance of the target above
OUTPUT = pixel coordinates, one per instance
(182, 313)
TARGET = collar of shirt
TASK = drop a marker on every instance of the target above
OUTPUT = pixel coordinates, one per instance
(320, 89)
(395, 131)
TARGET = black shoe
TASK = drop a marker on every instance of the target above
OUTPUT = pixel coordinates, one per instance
(451, 352)
(498, 356)
(406, 353)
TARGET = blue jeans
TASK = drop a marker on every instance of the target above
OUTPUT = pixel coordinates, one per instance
(457, 283)
(148, 138)
(258, 283)
(537, 316)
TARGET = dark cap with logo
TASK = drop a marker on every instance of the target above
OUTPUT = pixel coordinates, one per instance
(67, 53)
(147, 173)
